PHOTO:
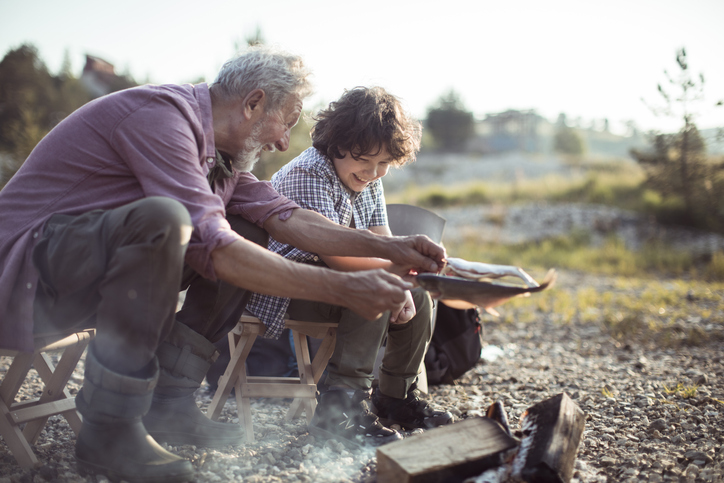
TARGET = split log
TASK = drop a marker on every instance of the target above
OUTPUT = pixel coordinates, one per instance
(449, 453)
(552, 431)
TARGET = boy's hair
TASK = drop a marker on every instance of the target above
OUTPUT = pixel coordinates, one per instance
(278, 73)
(362, 122)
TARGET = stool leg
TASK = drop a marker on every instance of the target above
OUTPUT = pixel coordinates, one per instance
(306, 377)
(55, 379)
(243, 406)
(15, 440)
(239, 348)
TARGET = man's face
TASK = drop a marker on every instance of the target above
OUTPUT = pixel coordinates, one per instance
(269, 133)
(357, 174)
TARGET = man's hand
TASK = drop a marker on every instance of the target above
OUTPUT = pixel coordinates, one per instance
(407, 313)
(416, 253)
(370, 293)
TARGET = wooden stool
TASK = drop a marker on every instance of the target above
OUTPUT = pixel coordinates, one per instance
(55, 399)
(303, 388)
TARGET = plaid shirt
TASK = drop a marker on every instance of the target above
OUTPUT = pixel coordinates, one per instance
(311, 180)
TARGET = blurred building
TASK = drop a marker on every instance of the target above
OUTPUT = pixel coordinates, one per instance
(511, 130)
(99, 77)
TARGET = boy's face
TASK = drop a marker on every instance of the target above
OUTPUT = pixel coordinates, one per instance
(357, 174)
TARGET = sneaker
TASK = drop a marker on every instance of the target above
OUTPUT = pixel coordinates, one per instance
(349, 420)
(410, 413)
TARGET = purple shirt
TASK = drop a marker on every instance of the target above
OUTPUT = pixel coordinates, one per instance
(145, 141)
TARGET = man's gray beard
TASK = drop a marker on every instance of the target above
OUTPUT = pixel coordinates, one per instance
(245, 161)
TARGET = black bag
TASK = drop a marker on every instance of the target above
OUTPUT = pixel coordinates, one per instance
(455, 345)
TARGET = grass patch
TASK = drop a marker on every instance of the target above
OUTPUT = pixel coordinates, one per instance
(654, 295)
(616, 183)
(575, 252)
(613, 183)
(668, 312)
(685, 392)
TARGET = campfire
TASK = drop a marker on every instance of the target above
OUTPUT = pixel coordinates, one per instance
(485, 450)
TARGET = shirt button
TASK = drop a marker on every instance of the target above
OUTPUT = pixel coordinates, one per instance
(210, 160)
(35, 235)
(29, 285)
(316, 259)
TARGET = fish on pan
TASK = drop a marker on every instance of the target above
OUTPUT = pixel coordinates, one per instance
(479, 270)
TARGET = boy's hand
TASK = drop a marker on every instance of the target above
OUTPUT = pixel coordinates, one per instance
(407, 312)
(369, 293)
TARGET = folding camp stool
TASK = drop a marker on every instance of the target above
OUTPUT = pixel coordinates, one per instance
(303, 388)
(55, 399)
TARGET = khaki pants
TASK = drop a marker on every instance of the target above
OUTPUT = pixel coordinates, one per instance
(359, 340)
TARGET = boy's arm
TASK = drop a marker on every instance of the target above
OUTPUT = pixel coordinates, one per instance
(354, 264)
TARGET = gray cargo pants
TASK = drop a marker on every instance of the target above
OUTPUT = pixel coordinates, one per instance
(121, 270)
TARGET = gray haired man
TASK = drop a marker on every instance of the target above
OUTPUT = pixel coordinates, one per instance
(147, 191)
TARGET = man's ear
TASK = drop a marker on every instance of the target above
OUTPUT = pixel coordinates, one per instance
(254, 103)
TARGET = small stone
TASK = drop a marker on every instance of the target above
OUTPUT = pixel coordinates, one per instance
(701, 380)
(691, 471)
(697, 455)
(658, 425)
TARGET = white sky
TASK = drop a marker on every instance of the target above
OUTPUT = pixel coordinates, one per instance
(590, 59)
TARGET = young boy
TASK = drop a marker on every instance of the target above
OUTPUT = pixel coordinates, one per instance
(355, 141)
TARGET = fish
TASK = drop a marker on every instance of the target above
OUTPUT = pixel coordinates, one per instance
(484, 294)
(479, 270)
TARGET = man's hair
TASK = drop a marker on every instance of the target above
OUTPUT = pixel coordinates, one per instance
(276, 72)
(362, 122)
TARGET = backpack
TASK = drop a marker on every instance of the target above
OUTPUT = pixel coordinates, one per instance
(455, 345)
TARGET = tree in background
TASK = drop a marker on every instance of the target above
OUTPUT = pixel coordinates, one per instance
(566, 140)
(677, 166)
(30, 105)
(449, 123)
(33, 101)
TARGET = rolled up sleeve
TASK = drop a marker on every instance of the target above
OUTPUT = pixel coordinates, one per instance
(257, 200)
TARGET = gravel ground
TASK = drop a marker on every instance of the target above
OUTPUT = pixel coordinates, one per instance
(638, 427)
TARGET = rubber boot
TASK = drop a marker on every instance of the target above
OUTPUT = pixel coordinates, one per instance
(113, 441)
(174, 418)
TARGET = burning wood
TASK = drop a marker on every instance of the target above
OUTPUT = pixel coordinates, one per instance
(550, 433)
(447, 453)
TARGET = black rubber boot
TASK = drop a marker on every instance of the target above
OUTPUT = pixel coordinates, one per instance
(113, 441)
(349, 420)
(174, 418)
(412, 412)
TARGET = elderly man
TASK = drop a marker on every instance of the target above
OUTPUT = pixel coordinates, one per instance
(146, 191)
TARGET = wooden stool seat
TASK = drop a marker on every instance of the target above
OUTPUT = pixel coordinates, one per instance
(303, 388)
(56, 399)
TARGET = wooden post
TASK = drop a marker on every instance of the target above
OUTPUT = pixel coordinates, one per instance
(449, 453)
(552, 431)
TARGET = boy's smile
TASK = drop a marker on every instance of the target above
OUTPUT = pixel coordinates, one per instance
(357, 173)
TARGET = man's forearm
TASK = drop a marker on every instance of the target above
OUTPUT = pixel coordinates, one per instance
(249, 266)
(312, 232)
(368, 293)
